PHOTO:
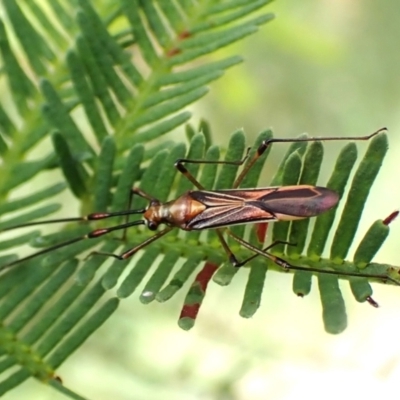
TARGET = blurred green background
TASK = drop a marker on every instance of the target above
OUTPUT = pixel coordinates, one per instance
(325, 68)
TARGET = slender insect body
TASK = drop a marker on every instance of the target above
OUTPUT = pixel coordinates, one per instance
(201, 209)
(204, 209)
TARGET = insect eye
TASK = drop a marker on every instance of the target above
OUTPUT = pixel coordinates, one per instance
(152, 225)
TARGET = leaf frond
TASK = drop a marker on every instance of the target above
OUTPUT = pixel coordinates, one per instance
(95, 90)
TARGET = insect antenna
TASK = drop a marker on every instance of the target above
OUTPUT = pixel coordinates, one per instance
(90, 235)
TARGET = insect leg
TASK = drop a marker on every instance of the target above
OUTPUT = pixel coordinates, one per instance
(129, 253)
(233, 259)
(139, 192)
(91, 235)
(179, 165)
(266, 143)
(287, 266)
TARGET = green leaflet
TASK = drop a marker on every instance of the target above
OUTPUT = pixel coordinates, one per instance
(57, 114)
(360, 187)
(337, 182)
(159, 277)
(254, 290)
(102, 184)
(86, 95)
(371, 243)
(74, 171)
(311, 166)
(290, 176)
(333, 308)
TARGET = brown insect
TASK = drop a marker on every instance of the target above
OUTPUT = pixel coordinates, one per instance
(219, 209)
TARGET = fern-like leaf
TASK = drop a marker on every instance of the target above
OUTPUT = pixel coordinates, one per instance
(127, 67)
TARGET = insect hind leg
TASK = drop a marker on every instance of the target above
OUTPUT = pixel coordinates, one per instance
(268, 142)
(290, 267)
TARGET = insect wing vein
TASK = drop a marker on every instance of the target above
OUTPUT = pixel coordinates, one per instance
(216, 217)
(234, 196)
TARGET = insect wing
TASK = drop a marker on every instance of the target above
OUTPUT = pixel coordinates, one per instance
(302, 201)
(230, 207)
(239, 206)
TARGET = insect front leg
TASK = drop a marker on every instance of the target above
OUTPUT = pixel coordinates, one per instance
(139, 192)
(179, 165)
(129, 253)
